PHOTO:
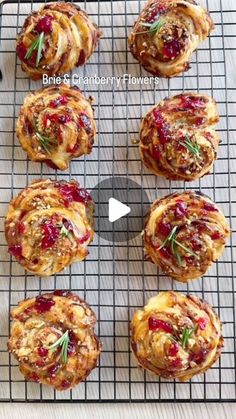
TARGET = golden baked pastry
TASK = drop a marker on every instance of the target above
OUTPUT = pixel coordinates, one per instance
(166, 34)
(176, 336)
(52, 337)
(177, 137)
(55, 39)
(184, 234)
(56, 124)
(49, 226)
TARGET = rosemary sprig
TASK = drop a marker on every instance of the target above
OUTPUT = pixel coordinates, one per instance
(153, 27)
(62, 342)
(187, 333)
(45, 141)
(64, 231)
(37, 44)
(193, 147)
(174, 244)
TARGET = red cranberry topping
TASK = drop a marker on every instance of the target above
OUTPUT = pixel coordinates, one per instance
(209, 207)
(50, 234)
(82, 58)
(40, 363)
(156, 152)
(202, 323)
(162, 127)
(61, 119)
(196, 244)
(60, 293)
(174, 349)
(199, 121)
(164, 228)
(32, 60)
(216, 235)
(33, 377)
(191, 102)
(72, 343)
(65, 384)
(72, 192)
(85, 238)
(21, 227)
(156, 324)
(42, 304)
(53, 370)
(180, 210)
(61, 100)
(42, 352)
(175, 363)
(44, 24)
(50, 164)
(84, 122)
(165, 253)
(190, 260)
(153, 14)
(172, 49)
(198, 357)
(15, 251)
(21, 51)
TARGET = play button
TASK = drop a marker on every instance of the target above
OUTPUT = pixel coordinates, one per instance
(117, 210)
(120, 208)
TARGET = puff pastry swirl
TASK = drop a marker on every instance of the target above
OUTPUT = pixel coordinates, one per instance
(55, 39)
(56, 124)
(49, 226)
(177, 137)
(52, 337)
(166, 33)
(184, 234)
(176, 336)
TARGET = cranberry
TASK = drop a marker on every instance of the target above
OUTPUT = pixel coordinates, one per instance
(172, 49)
(155, 324)
(60, 293)
(84, 122)
(199, 121)
(65, 384)
(165, 253)
(71, 192)
(21, 227)
(156, 152)
(61, 100)
(61, 119)
(15, 250)
(53, 370)
(190, 260)
(198, 357)
(153, 14)
(44, 24)
(196, 244)
(32, 60)
(164, 228)
(50, 234)
(180, 210)
(72, 343)
(162, 127)
(33, 377)
(50, 164)
(175, 363)
(42, 304)
(42, 352)
(85, 238)
(191, 102)
(216, 235)
(209, 207)
(28, 127)
(21, 51)
(82, 58)
(202, 323)
(174, 349)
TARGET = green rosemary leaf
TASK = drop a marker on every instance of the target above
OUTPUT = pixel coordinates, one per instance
(153, 27)
(45, 141)
(62, 342)
(31, 49)
(171, 239)
(40, 47)
(64, 231)
(193, 147)
(187, 333)
(186, 249)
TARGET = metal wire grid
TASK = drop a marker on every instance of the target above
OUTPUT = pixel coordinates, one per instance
(115, 280)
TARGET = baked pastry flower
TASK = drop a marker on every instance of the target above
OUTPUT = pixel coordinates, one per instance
(184, 234)
(177, 137)
(56, 124)
(49, 225)
(52, 337)
(55, 39)
(176, 336)
(166, 34)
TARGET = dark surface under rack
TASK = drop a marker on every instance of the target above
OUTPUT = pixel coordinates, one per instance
(115, 279)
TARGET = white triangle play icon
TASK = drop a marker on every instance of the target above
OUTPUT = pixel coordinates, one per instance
(117, 210)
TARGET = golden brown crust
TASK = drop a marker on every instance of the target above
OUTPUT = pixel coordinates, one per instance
(177, 137)
(56, 124)
(38, 323)
(184, 234)
(49, 226)
(176, 336)
(70, 38)
(166, 51)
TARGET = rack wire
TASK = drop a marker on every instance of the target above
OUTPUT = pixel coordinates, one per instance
(115, 279)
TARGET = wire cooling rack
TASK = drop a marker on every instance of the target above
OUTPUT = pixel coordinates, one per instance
(115, 279)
